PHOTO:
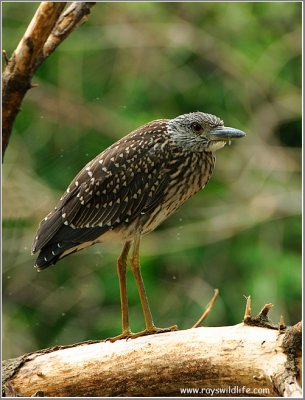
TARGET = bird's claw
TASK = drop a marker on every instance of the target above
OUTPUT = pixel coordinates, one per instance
(153, 330)
(124, 335)
(148, 331)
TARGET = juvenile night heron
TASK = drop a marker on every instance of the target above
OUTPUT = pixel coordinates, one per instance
(128, 190)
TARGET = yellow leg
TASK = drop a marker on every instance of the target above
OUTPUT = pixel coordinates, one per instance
(121, 268)
(136, 269)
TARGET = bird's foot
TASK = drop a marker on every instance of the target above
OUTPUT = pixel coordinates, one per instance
(124, 335)
(153, 330)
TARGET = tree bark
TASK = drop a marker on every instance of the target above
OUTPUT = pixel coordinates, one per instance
(240, 360)
(46, 31)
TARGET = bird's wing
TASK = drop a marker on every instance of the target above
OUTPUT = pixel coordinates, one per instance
(111, 189)
(129, 183)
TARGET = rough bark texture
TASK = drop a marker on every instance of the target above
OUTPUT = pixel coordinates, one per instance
(46, 31)
(248, 360)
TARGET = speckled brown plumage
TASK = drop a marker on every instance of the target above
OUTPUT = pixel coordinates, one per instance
(133, 185)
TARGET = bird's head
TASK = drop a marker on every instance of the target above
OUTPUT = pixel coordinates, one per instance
(201, 132)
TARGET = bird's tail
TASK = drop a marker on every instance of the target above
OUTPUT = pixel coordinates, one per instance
(49, 255)
(55, 243)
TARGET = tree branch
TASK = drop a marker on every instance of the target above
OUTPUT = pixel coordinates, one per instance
(207, 310)
(251, 360)
(46, 31)
(72, 18)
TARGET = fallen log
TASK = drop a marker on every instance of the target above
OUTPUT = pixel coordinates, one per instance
(239, 360)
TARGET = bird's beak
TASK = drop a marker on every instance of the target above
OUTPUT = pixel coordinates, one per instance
(225, 133)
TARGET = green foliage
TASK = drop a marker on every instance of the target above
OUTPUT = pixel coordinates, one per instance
(129, 64)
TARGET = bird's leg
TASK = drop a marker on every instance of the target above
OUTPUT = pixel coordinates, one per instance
(135, 267)
(122, 262)
(121, 268)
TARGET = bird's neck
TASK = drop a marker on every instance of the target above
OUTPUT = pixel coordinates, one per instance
(196, 168)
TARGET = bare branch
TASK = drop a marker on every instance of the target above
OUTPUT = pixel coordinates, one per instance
(265, 310)
(45, 32)
(30, 47)
(248, 311)
(246, 357)
(72, 18)
(207, 310)
(16, 80)
(262, 317)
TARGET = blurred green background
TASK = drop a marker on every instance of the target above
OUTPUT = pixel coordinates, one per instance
(129, 64)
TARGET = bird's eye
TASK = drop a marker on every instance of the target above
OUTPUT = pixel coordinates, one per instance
(196, 127)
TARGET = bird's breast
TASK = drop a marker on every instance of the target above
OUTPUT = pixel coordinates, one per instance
(188, 176)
